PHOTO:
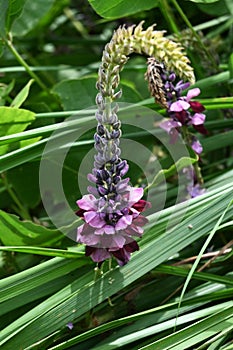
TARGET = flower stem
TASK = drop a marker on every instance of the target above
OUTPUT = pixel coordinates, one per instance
(23, 212)
(26, 66)
(168, 15)
(196, 168)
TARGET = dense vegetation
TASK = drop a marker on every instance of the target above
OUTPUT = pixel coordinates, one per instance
(176, 291)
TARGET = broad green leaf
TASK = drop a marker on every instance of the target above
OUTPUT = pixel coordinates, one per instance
(80, 93)
(219, 8)
(121, 8)
(32, 13)
(13, 120)
(22, 95)
(13, 231)
(15, 8)
(76, 94)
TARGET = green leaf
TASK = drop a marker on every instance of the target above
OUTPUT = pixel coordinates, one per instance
(85, 293)
(14, 11)
(229, 5)
(22, 95)
(46, 252)
(218, 9)
(14, 232)
(204, 1)
(76, 93)
(121, 8)
(231, 66)
(218, 141)
(36, 282)
(32, 13)
(195, 333)
(80, 93)
(24, 179)
(3, 12)
(13, 120)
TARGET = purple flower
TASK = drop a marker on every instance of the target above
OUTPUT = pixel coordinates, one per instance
(172, 127)
(179, 106)
(70, 325)
(183, 111)
(196, 146)
(110, 225)
(195, 190)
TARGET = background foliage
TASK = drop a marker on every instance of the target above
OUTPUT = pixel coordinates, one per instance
(50, 53)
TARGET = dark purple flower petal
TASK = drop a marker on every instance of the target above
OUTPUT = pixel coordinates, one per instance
(201, 129)
(196, 106)
(142, 205)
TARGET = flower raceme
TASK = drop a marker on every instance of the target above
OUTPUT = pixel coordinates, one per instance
(183, 112)
(112, 210)
(110, 225)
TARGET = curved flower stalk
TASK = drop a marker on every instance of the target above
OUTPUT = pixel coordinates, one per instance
(112, 210)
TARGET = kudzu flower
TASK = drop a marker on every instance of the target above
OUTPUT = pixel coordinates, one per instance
(183, 112)
(194, 188)
(112, 210)
(111, 224)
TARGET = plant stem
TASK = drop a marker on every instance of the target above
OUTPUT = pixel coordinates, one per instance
(189, 25)
(168, 15)
(186, 136)
(23, 212)
(26, 66)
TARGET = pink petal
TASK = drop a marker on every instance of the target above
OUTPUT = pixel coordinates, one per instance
(90, 240)
(123, 222)
(109, 230)
(79, 233)
(118, 242)
(193, 93)
(179, 106)
(99, 231)
(197, 147)
(134, 195)
(87, 202)
(168, 125)
(198, 119)
(100, 254)
(93, 219)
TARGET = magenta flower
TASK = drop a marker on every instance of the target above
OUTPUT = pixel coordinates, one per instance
(110, 225)
(196, 146)
(183, 112)
(172, 127)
